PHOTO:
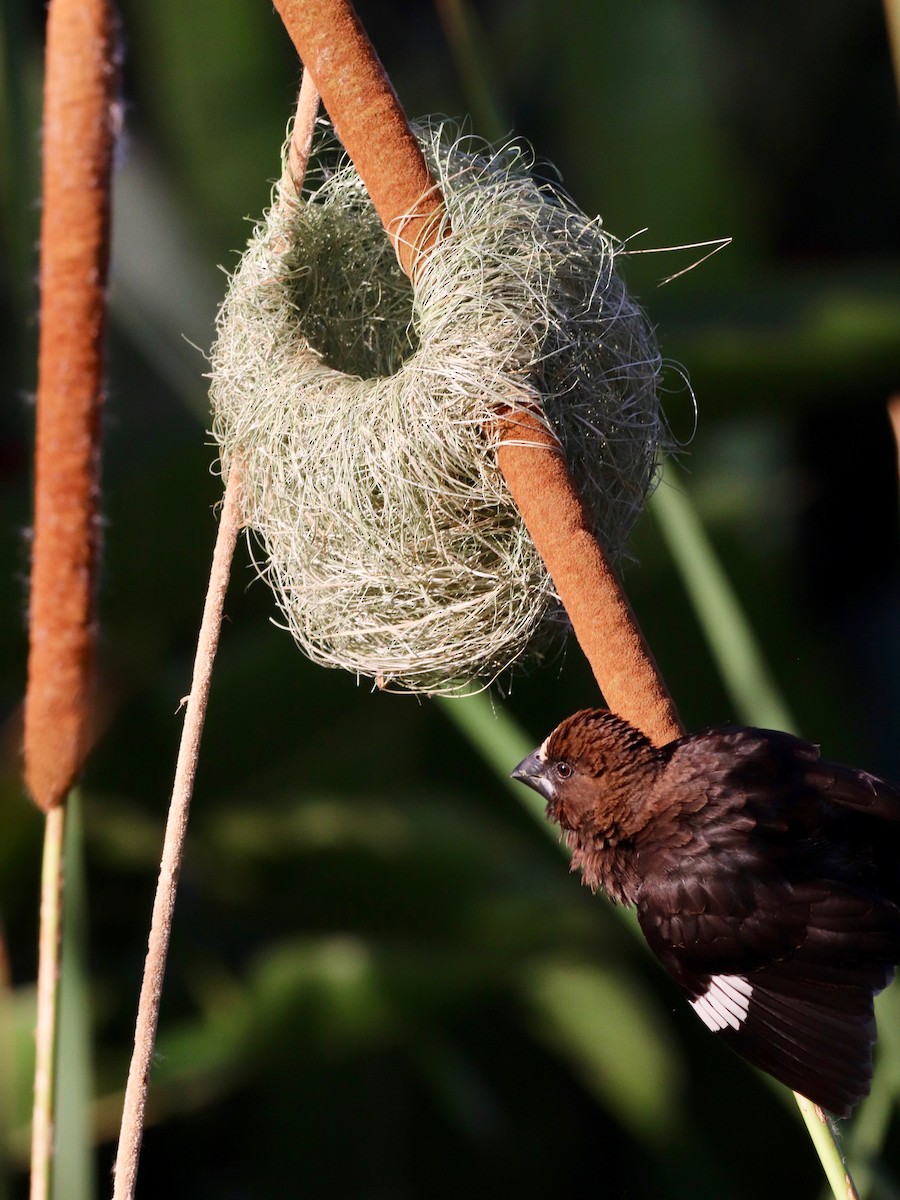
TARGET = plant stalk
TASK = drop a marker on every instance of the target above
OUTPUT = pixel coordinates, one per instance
(135, 1103)
(47, 1028)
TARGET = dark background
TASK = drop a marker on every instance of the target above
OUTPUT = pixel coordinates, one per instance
(383, 981)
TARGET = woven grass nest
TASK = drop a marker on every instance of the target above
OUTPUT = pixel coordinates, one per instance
(363, 409)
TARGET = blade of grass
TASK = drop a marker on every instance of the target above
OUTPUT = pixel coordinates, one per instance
(7, 1067)
(500, 741)
(723, 622)
(468, 45)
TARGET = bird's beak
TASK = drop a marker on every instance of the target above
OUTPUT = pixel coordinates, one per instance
(532, 771)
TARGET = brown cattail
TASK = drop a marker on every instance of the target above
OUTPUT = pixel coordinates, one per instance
(369, 120)
(79, 133)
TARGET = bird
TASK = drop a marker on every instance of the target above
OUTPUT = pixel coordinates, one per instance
(766, 881)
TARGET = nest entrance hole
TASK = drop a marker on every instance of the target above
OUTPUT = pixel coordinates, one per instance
(354, 304)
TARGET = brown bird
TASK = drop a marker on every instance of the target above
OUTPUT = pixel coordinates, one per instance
(766, 881)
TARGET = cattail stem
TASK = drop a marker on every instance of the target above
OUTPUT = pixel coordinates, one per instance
(606, 628)
(893, 412)
(80, 89)
(47, 1028)
(368, 119)
(135, 1103)
(828, 1149)
(302, 131)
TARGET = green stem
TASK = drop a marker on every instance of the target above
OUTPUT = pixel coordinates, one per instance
(7, 1070)
(823, 1138)
(47, 1004)
(73, 1177)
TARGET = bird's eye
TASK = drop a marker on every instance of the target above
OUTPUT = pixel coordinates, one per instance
(564, 769)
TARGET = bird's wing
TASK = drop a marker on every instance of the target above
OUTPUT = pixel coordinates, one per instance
(852, 788)
(780, 767)
(784, 975)
(778, 917)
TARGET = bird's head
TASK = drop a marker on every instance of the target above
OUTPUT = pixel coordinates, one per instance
(593, 770)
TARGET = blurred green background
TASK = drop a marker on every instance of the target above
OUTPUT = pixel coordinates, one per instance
(384, 982)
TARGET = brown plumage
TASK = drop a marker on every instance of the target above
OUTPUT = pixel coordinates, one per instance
(766, 880)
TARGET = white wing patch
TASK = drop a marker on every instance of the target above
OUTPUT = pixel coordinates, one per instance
(725, 1002)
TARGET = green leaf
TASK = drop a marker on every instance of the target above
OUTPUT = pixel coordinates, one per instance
(597, 1019)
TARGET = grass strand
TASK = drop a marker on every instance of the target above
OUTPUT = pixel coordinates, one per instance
(735, 648)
